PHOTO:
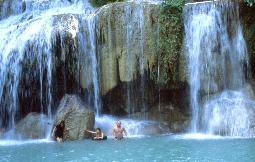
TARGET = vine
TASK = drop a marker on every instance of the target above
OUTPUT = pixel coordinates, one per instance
(171, 36)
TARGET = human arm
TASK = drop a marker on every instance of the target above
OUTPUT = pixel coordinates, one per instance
(102, 136)
(90, 131)
(67, 129)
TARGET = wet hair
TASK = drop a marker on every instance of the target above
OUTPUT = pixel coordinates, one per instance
(98, 129)
(62, 122)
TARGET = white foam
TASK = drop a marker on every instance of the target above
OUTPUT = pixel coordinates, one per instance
(20, 142)
(202, 136)
(134, 128)
(194, 3)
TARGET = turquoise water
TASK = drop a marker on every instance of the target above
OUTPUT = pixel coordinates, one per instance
(159, 148)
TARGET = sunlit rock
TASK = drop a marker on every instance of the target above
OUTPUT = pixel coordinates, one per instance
(126, 40)
(77, 116)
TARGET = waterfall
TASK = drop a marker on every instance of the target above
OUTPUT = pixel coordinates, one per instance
(23, 41)
(49, 48)
(221, 99)
(130, 66)
(87, 43)
(31, 33)
(134, 26)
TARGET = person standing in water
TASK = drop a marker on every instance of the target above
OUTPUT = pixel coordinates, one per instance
(58, 131)
(118, 132)
(98, 134)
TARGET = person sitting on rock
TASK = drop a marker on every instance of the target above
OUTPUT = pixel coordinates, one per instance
(97, 135)
(58, 131)
(118, 132)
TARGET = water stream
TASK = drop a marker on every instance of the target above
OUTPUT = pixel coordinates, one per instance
(221, 99)
(35, 32)
(29, 33)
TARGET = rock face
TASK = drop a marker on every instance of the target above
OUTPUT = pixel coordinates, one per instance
(126, 36)
(248, 22)
(35, 68)
(33, 126)
(76, 115)
(52, 59)
(173, 117)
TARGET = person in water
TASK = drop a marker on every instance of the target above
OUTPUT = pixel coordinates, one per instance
(98, 134)
(58, 131)
(118, 132)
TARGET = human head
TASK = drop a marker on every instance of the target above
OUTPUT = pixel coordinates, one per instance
(98, 130)
(118, 123)
(62, 123)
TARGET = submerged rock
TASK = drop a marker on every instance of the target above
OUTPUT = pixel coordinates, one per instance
(176, 120)
(77, 117)
(33, 126)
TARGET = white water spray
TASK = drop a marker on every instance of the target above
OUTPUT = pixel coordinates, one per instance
(218, 60)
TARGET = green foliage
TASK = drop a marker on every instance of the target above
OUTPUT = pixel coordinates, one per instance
(171, 36)
(99, 3)
(250, 2)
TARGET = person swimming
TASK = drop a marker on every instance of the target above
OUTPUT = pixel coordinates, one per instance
(118, 132)
(98, 134)
(58, 131)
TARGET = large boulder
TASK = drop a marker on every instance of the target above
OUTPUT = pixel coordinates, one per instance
(33, 126)
(77, 117)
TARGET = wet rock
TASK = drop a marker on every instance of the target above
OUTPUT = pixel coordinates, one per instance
(64, 65)
(248, 24)
(126, 38)
(156, 128)
(176, 119)
(77, 117)
(168, 118)
(33, 126)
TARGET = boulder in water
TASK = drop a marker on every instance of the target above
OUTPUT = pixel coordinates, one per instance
(33, 126)
(176, 119)
(77, 117)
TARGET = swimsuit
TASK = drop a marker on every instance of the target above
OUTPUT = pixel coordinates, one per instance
(59, 133)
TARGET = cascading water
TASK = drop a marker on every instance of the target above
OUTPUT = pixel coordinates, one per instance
(218, 60)
(22, 38)
(134, 16)
(37, 40)
(130, 65)
(29, 33)
(87, 41)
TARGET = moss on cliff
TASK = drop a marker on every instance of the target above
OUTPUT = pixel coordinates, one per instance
(99, 3)
(171, 38)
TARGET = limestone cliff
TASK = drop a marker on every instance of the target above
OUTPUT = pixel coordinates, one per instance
(126, 36)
